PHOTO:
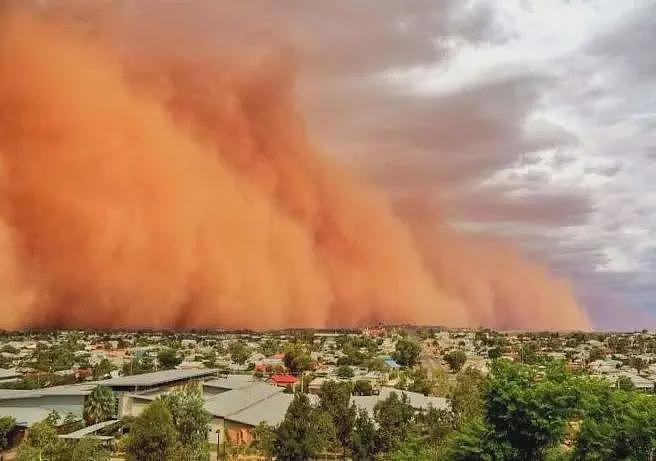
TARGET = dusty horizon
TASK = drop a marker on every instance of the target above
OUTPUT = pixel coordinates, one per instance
(146, 190)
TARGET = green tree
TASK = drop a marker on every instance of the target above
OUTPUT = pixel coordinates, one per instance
(41, 439)
(466, 395)
(531, 414)
(394, 417)
(28, 453)
(88, 450)
(100, 405)
(596, 353)
(269, 346)
(407, 352)
(619, 425)
(296, 358)
(239, 351)
(190, 420)
(363, 387)
(345, 372)
(264, 437)
(152, 434)
(300, 435)
(476, 441)
(103, 368)
(7, 426)
(334, 400)
(494, 353)
(455, 359)
(421, 382)
(625, 383)
(363, 438)
(168, 359)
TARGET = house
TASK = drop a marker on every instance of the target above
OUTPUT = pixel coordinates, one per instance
(417, 401)
(226, 406)
(284, 380)
(62, 399)
(8, 375)
(137, 391)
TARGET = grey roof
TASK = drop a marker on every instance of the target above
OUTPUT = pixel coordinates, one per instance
(417, 400)
(231, 382)
(25, 416)
(233, 401)
(72, 389)
(158, 377)
(89, 430)
(8, 374)
(271, 410)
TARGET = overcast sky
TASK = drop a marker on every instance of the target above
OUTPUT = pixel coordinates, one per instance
(531, 119)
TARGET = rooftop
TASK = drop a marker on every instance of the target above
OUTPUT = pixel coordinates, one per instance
(158, 378)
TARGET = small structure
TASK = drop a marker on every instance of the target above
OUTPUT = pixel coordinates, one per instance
(284, 380)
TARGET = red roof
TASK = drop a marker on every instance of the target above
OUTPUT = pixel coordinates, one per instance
(283, 379)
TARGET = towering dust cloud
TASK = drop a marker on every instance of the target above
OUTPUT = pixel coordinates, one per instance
(155, 193)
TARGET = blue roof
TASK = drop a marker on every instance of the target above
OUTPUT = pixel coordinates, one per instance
(392, 363)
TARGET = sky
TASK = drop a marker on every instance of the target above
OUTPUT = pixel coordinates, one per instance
(527, 119)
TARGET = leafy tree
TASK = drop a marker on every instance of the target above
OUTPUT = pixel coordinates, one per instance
(625, 383)
(345, 372)
(168, 359)
(456, 359)
(300, 435)
(100, 405)
(190, 420)
(7, 426)
(638, 363)
(407, 352)
(334, 400)
(152, 434)
(377, 364)
(88, 450)
(27, 452)
(531, 414)
(138, 366)
(103, 368)
(296, 358)
(269, 346)
(394, 417)
(476, 441)
(264, 437)
(363, 438)
(363, 387)
(494, 353)
(41, 440)
(596, 353)
(467, 395)
(619, 425)
(421, 382)
(413, 448)
(239, 351)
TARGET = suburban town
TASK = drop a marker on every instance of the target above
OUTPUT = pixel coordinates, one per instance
(87, 390)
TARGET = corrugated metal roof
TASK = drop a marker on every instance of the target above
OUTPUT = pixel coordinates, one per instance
(417, 400)
(231, 382)
(89, 430)
(233, 401)
(25, 416)
(271, 410)
(157, 377)
(8, 374)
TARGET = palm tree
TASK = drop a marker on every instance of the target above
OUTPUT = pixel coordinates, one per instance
(100, 405)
